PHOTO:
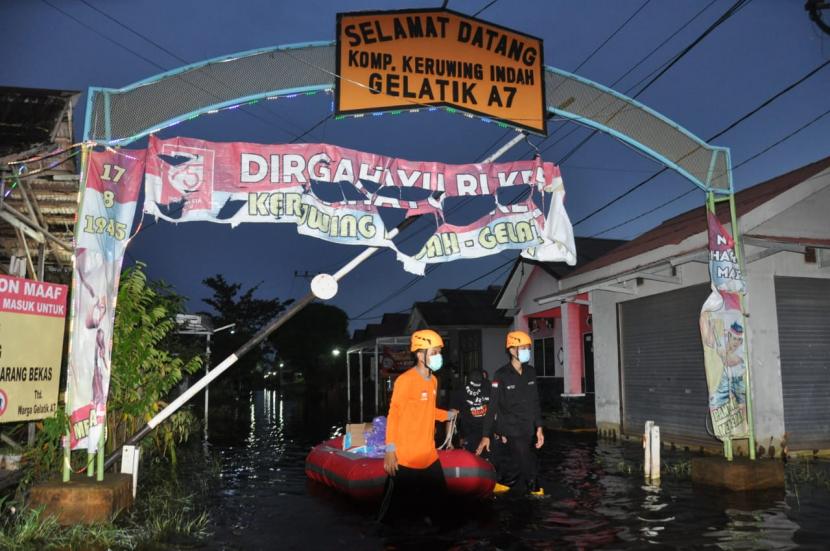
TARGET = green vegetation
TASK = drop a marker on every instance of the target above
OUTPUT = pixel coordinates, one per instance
(164, 512)
(149, 360)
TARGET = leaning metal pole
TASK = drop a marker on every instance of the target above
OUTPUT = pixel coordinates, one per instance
(272, 326)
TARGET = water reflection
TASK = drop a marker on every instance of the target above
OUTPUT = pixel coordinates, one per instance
(652, 512)
(265, 502)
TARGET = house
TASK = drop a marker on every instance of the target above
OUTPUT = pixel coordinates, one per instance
(645, 299)
(472, 327)
(562, 358)
(37, 213)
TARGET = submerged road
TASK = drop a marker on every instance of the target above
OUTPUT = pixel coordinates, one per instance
(263, 500)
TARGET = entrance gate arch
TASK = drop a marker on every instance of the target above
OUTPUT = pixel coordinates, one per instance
(120, 116)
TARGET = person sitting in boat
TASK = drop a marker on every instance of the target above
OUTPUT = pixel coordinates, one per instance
(471, 400)
(514, 405)
(416, 479)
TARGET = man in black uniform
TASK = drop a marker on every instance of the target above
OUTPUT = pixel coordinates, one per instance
(471, 400)
(514, 408)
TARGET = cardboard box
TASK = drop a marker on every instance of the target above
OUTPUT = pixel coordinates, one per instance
(356, 434)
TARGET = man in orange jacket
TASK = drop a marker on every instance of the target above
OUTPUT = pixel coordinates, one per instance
(411, 461)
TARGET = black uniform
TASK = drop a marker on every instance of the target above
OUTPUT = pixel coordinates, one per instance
(514, 412)
(472, 401)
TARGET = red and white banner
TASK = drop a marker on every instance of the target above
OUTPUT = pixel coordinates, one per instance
(335, 194)
(113, 181)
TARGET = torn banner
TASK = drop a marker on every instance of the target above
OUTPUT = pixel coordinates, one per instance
(335, 194)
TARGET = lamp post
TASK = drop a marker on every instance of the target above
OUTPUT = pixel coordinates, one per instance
(207, 368)
(195, 325)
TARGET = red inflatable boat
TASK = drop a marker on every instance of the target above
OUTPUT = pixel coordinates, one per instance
(363, 478)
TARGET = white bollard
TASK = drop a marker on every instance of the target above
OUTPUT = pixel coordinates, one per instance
(647, 449)
(129, 463)
(655, 453)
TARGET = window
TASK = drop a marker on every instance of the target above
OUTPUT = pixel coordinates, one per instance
(544, 357)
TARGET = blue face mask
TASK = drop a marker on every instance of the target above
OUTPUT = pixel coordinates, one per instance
(524, 355)
(435, 362)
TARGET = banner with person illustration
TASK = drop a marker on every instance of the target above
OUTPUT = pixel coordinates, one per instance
(723, 330)
(113, 182)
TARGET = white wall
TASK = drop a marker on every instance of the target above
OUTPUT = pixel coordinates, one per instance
(539, 283)
(808, 218)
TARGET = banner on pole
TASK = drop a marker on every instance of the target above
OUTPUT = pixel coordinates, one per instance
(416, 58)
(32, 320)
(724, 268)
(336, 194)
(723, 330)
(113, 181)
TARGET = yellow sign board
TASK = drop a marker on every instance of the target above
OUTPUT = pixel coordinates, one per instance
(421, 58)
(32, 319)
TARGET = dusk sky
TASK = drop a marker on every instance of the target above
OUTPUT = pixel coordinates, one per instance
(766, 46)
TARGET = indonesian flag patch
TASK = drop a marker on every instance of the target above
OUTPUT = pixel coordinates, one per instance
(495, 384)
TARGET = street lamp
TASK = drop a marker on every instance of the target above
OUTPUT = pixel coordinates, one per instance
(335, 352)
(196, 324)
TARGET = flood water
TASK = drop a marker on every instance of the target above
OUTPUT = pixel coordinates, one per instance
(263, 500)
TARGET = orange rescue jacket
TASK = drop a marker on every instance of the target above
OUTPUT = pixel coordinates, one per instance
(410, 425)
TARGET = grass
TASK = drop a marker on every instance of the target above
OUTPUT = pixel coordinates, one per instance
(25, 529)
(679, 469)
(167, 510)
(814, 473)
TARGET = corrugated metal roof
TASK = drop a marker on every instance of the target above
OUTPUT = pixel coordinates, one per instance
(675, 230)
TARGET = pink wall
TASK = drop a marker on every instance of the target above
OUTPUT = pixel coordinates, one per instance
(575, 320)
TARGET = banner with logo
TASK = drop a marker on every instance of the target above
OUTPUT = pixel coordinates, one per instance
(722, 329)
(113, 181)
(336, 194)
(32, 321)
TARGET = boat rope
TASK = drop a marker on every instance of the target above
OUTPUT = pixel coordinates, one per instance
(447, 445)
(387, 498)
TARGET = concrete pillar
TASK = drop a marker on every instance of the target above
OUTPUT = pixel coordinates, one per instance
(573, 351)
(606, 362)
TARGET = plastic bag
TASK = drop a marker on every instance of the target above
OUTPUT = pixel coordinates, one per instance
(376, 438)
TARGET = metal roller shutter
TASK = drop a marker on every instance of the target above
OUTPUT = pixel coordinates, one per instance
(803, 306)
(662, 372)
